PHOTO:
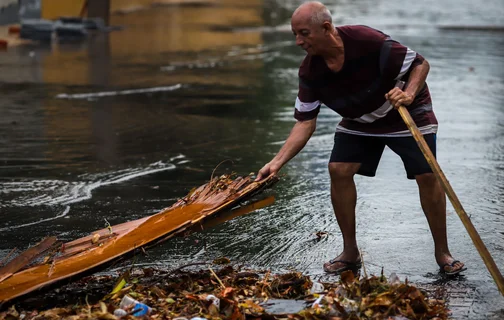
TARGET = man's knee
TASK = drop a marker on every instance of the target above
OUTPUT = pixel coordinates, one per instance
(342, 170)
(426, 179)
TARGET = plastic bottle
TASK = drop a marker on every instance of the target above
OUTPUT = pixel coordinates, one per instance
(317, 287)
(128, 303)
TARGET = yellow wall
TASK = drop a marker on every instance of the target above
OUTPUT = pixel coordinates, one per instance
(52, 9)
(148, 34)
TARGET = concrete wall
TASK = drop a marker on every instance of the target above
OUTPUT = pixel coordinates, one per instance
(30, 9)
(11, 11)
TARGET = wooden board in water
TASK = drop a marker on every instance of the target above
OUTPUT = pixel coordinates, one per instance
(85, 254)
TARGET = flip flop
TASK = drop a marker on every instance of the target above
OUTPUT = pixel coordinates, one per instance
(347, 266)
(454, 272)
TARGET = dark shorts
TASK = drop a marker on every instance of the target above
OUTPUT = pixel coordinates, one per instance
(368, 150)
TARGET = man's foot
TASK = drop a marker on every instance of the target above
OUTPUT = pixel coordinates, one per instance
(450, 266)
(342, 263)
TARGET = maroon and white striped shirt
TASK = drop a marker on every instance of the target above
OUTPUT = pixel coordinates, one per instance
(374, 64)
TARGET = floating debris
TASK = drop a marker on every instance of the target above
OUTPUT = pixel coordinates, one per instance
(234, 293)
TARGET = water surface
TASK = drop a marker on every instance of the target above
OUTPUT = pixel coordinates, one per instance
(120, 126)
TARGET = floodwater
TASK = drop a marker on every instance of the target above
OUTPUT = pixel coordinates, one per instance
(120, 126)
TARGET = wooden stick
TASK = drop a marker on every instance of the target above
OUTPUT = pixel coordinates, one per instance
(216, 277)
(478, 243)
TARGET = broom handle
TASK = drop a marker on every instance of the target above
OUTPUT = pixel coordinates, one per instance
(478, 243)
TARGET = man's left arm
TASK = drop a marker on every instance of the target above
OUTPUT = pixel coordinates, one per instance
(416, 82)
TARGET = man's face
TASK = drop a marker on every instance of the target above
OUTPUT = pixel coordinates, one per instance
(310, 37)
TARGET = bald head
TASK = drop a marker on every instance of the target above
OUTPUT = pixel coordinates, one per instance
(312, 25)
(313, 11)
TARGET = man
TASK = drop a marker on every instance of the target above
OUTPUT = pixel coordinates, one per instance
(364, 75)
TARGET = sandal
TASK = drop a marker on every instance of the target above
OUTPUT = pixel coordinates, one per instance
(452, 265)
(347, 265)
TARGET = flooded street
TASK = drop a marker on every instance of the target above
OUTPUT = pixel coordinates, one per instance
(121, 126)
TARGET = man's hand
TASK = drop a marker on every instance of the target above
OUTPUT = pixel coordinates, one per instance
(398, 98)
(266, 171)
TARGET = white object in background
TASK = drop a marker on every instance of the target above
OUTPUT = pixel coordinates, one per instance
(317, 287)
(214, 299)
(317, 302)
(120, 313)
(141, 309)
(394, 279)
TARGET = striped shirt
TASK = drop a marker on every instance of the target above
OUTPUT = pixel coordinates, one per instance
(373, 65)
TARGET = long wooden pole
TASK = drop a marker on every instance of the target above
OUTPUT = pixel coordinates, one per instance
(483, 251)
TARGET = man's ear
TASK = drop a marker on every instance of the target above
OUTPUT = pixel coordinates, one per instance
(328, 27)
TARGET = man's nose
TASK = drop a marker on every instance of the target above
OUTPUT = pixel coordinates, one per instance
(299, 41)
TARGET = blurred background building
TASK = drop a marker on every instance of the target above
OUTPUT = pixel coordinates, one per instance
(11, 11)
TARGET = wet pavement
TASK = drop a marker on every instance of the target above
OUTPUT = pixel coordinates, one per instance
(120, 126)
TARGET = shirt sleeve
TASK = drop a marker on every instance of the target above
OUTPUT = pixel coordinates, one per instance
(307, 106)
(396, 60)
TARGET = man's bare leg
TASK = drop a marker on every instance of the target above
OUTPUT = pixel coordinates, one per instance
(344, 199)
(433, 200)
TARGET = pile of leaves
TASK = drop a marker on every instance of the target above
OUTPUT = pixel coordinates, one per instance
(232, 293)
(377, 297)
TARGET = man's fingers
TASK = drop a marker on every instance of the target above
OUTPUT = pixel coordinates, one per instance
(261, 175)
(395, 95)
(398, 99)
(400, 102)
(391, 93)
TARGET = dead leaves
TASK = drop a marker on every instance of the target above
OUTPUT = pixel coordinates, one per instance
(242, 295)
(377, 298)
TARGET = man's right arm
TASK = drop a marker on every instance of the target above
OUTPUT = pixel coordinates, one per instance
(298, 137)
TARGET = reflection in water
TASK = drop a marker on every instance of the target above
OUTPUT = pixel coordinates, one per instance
(234, 67)
(95, 95)
(231, 214)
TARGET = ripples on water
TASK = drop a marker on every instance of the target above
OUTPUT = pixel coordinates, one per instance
(57, 192)
(53, 194)
(96, 95)
(98, 142)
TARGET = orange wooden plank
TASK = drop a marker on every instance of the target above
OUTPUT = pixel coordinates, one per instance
(206, 200)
